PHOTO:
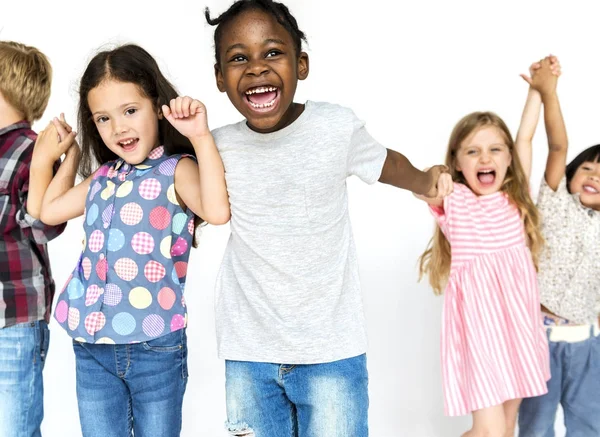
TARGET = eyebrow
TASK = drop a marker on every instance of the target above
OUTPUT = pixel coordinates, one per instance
(243, 46)
(122, 106)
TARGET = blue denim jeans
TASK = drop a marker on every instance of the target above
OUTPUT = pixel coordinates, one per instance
(23, 350)
(281, 400)
(575, 384)
(129, 388)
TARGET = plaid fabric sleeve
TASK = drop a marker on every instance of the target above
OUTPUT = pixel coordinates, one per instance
(33, 228)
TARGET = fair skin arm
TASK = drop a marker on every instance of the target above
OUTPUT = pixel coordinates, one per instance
(62, 200)
(41, 173)
(544, 81)
(529, 121)
(200, 186)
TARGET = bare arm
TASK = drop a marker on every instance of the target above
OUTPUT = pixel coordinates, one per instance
(558, 142)
(399, 172)
(200, 186)
(63, 199)
(529, 121)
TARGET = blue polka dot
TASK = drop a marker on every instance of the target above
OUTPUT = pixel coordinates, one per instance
(179, 222)
(92, 214)
(174, 276)
(75, 289)
(123, 323)
(116, 240)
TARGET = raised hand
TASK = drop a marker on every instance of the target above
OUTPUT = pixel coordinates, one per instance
(188, 116)
(441, 183)
(554, 64)
(52, 143)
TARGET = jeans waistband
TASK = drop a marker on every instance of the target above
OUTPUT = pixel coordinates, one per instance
(573, 333)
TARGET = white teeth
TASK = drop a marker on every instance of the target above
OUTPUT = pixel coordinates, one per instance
(486, 171)
(590, 189)
(126, 143)
(262, 105)
(259, 90)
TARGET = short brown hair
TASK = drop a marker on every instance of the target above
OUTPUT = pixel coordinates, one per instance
(25, 78)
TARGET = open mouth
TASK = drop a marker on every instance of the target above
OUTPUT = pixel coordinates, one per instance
(262, 98)
(589, 189)
(129, 144)
(486, 177)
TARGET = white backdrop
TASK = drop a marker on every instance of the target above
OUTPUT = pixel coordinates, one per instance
(411, 69)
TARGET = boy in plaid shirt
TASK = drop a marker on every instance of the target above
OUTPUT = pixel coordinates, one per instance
(26, 285)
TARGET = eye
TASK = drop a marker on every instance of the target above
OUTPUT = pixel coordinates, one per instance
(471, 152)
(102, 119)
(496, 149)
(238, 58)
(272, 53)
(130, 111)
(586, 168)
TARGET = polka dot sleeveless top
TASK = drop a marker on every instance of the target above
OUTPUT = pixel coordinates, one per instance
(128, 284)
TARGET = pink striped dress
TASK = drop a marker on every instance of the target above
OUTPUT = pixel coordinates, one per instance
(493, 347)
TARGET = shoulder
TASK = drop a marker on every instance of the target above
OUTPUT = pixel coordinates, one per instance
(227, 131)
(550, 200)
(18, 145)
(330, 110)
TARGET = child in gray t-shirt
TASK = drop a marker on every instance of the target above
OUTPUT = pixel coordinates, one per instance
(289, 313)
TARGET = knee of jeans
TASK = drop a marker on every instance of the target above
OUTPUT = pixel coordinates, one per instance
(239, 429)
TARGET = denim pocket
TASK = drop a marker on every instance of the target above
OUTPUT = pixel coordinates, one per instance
(44, 340)
(173, 342)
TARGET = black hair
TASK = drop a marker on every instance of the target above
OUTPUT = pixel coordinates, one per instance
(591, 154)
(278, 10)
(130, 64)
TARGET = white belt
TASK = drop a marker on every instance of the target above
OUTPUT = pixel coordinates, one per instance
(572, 333)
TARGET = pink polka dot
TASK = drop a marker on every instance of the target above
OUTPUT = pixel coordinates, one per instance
(156, 153)
(179, 248)
(190, 226)
(61, 311)
(92, 294)
(154, 271)
(177, 322)
(126, 269)
(87, 267)
(142, 243)
(166, 298)
(131, 213)
(94, 322)
(96, 241)
(181, 269)
(102, 268)
(149, 189)
(160, 218)
(74, 318)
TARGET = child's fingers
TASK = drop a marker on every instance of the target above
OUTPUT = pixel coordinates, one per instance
(60, 128)
(67, 142)
(185, 106)
(527, 79)
(166, 110)
(64, 122)
(178, 107)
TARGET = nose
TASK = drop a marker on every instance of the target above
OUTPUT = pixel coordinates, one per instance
(484, 158)
(257, 67)
(118, 127)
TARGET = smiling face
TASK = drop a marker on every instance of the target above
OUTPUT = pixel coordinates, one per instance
(259, 70)
(126, 120)
(586, 182)
(483, 159)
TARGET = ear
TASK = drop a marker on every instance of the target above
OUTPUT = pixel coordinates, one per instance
(219, 78)
(303, 66)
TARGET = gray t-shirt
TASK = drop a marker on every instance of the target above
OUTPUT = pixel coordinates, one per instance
(288, 290)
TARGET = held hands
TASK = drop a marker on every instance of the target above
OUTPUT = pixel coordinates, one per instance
(188, 116)
(54, 141)
(441, 184)
(544, 75)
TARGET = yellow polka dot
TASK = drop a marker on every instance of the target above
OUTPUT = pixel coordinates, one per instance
(125, 189)
(105, 340)
(171, 195)
(140, 298)
(142, 166)
(165, 247)
(79, 339)
(108, 191)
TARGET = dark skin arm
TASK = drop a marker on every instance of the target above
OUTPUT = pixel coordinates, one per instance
(399, 172)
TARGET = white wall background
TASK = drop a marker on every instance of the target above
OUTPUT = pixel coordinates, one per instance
(411, 69)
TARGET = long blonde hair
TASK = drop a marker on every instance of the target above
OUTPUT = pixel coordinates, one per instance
(435, 261)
